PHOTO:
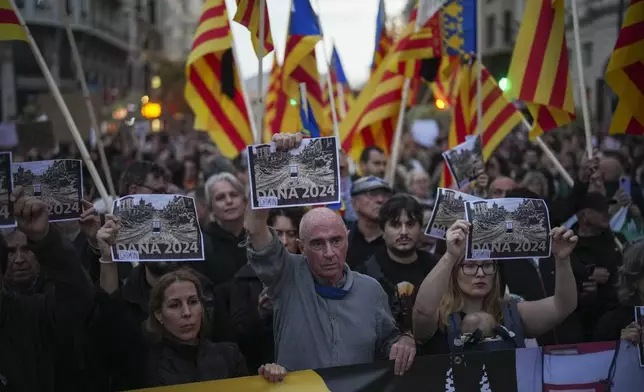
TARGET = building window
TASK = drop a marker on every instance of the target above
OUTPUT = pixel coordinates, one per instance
(587, 54)
(152, 9)
(43, 4)
(507, 27)
(490, 27)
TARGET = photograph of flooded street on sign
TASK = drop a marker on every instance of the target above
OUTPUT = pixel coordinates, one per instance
(448, 208)
(303, 176)
(59, 183)
(6, 208)
(508, 229)
(157, 228)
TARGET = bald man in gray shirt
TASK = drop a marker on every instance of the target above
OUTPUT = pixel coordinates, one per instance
(324, 314)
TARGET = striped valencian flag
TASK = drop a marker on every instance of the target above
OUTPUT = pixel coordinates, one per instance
(213, 89)
(300, 64)
(281, 113)
(444, 86)
(10, 28)
(460, 125)
(499, 115)
(539, 72)
(384, 42)
(372, 118)
(413, 47)
(248, 15)
(625, 72)
(341, 90)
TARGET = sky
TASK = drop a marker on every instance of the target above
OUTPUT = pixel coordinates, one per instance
(350, 24)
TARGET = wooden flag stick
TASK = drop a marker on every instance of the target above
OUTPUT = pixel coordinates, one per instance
(581, 80)
(64, 109)
(329, 82)
(80, 74)
(260, 73)
(479, 68)
(550, 154)
(242, 86)
(395, 148)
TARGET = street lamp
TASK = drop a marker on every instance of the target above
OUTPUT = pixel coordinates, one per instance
(151, 110)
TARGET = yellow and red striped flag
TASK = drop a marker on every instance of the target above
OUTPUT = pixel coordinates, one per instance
(446, 82)
(10, 29)
(499, 115)
(280, 114)
(384, 41)
(413, 47)
(459, 126)
(248, 15)
(539, 72)
(300, 64)
(343, 96)
(370, 120)
(624, 123)
(213, 89)
(625, 72)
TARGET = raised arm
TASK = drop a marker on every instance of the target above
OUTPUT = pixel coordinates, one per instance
(73, 288)
(106, 237)
(541, 316)
(266, 254)
(434, 286)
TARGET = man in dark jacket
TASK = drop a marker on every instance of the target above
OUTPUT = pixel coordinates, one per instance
(28, 324)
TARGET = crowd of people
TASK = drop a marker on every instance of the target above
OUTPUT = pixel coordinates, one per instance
(289, 289)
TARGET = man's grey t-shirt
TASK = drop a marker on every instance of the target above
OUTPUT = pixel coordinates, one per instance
(313, 332)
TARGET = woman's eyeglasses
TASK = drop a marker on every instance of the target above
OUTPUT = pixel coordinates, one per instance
(472, 269)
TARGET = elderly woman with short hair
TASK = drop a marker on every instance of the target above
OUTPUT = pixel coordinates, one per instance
(620, 323)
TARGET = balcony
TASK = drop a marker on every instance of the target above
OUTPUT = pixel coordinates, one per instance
(105, 20)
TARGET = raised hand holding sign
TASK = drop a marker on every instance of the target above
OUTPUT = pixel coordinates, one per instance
(32, 214)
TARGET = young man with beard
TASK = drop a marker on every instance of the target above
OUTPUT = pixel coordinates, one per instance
(400, 267)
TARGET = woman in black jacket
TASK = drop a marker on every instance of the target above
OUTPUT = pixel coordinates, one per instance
(180, 354)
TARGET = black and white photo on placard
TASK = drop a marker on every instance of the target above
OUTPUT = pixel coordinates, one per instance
(6, 187)
(448, 208)
(157, 228)
(639, 319)
(307, 175)
(513, 228)
(465, 161)
(59, 183)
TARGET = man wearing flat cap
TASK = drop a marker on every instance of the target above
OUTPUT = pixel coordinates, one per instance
(368, 194)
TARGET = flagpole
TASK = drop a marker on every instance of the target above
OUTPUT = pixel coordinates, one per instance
(304, 101)
(550, 154)
(80, 74)
(395, 148)
(260, 72)
(329, 83)
(580, 77)
(63, 108)
(479, 68)
(242, 86)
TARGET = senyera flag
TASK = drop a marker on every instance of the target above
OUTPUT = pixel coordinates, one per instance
(10, 28)
(590, 367)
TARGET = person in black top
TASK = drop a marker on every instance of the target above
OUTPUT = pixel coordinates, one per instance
(180, 353)
(368, 194)
(620, 323)
(30, 325)
(399, 266)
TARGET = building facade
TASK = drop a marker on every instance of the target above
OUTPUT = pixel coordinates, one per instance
(112, 37)
(179, 28)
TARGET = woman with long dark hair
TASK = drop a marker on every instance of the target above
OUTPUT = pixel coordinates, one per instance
(180, 354)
